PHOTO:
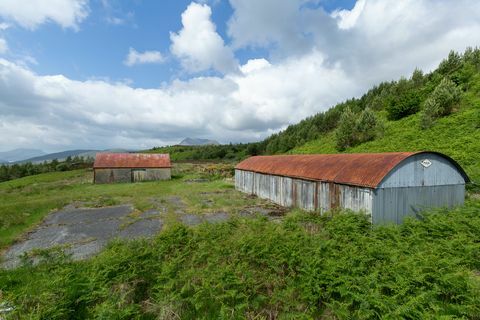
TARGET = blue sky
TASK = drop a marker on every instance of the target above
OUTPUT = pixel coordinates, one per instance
(137, 74)
(98, 48)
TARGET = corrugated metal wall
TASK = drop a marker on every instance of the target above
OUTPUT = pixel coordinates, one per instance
(420, 182)
(304, 194)
(131, 175)
(392, 205)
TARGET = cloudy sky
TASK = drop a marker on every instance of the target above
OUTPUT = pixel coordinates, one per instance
(143, 73)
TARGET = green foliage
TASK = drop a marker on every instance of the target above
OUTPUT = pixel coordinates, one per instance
(404, 105)
(306, 266)
(346, 132)
(440, 103)
(19, 170)
(353, 129)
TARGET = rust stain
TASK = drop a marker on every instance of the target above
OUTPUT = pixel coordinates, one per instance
(358, 169)
(131, 160)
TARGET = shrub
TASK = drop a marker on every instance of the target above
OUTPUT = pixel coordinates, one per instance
(403, 105)
(366, 127)
(353, 129)
(345, 133)
(440, 103)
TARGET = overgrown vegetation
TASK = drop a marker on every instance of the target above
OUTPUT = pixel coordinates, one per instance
(304, 267)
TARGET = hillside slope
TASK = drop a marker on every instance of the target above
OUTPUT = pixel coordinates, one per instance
(457, 135)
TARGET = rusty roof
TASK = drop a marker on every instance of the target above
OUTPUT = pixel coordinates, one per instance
(131, 160)
(359, 169)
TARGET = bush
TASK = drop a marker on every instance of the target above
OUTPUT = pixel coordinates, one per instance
(345, 134)
(440, 103)
(354, 129)
(404, 105)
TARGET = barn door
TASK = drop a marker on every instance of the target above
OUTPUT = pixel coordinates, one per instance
(138, 175)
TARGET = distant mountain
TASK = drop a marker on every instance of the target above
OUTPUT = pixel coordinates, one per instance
(60, 156)
(20, 154)
(197, 142)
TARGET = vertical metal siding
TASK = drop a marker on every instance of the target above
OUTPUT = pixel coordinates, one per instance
(356, 198)
(323, 196)
(392, 205)
(307, 195)
(304, 194)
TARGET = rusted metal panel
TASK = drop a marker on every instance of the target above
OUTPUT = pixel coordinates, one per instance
(304, 194)
(360, 169)
(334, 195)
(131, 160)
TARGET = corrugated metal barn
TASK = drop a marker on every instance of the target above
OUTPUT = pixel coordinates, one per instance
(388, 186)
(131, 167)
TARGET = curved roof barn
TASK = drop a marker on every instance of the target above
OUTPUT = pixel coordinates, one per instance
(357, 169)
(131, 160)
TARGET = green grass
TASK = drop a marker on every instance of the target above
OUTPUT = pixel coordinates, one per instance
(457, 136)
(305, 267)
(24, 202)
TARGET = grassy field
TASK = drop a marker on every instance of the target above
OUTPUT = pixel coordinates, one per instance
(24, 202)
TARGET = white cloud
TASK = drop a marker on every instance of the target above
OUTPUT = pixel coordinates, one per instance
(348, 18)
(3, 46)
(337, 60)
(198, 45)
(134, 57)
(66, 13)
(4, 26)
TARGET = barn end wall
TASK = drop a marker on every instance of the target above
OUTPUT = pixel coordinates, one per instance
(112, 175)
(393, 205)
(426, 180)
(424, 169)
(304, 194)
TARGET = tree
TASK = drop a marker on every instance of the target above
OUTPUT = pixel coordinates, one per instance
(345, 134)
(440, 102)
(417, 78)
(366, 127)
(405, 100)
(452, 63)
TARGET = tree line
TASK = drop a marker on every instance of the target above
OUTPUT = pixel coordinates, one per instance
(19, 170)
